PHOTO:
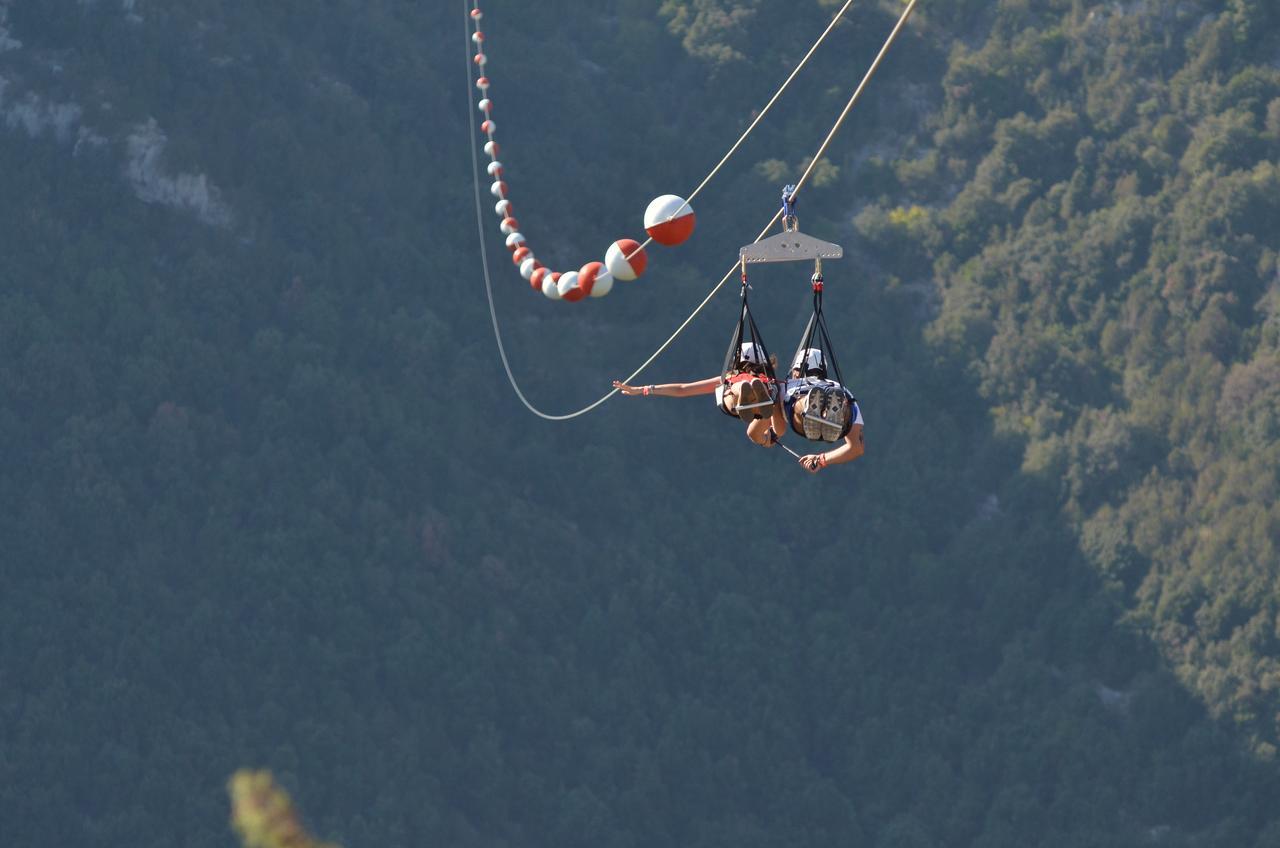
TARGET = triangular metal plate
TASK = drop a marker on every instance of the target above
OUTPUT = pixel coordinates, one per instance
(790, 247)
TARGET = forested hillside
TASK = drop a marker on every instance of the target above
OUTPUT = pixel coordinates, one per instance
(266, 498)
(1099, 202)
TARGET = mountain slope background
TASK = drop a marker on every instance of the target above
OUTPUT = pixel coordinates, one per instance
(265, 497)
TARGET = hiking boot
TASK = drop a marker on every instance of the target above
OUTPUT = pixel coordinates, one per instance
(750, 394)
(835, 416)
(815, 406)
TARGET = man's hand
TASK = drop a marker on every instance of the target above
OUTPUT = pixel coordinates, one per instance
(812, 463)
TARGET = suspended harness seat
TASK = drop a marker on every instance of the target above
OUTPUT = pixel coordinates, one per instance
(747, 359)
(829, 405)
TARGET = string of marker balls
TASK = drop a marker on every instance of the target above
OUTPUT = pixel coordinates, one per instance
(669, 220)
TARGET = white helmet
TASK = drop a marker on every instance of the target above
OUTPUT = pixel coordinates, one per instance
(751, 352)
(810, 360)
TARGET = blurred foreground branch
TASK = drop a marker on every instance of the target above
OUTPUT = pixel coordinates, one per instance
(263, 813)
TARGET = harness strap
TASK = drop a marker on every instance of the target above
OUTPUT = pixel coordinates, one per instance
(817, 327)
(745, 330)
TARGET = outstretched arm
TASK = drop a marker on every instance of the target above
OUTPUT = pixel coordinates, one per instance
(852, 448)
(701, 387)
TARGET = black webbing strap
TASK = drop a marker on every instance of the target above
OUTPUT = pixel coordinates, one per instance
(746, 330)
(818, 327)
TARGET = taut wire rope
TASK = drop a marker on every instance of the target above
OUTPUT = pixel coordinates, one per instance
(688, 203)
(484, 258)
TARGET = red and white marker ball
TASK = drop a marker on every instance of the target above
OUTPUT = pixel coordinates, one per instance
(538, 275)
(569, 288)
(615, 259)
(669, 220)
(509, 226)
(520, 254)
(503, 208)
(551, 285)
(515, 240)
(595, 279)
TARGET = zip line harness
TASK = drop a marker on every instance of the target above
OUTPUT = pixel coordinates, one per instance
(816, 336)
(790, 245)
(746, 333)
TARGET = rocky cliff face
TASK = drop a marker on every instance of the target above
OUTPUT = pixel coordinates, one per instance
(47, 94)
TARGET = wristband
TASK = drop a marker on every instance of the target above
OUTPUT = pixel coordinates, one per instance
(822, 460)
(646, 390)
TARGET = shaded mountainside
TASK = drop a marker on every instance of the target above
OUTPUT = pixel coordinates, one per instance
(266, 499)
(1109, 266)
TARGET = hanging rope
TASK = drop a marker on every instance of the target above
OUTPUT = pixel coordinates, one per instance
(488, 284)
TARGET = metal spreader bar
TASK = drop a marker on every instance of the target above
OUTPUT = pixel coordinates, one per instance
(793, 246)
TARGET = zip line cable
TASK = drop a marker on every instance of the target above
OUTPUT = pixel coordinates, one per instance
(688, 203)
(484, 257)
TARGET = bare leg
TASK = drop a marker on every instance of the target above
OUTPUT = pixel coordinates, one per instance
(778, 420)
(798, 411)
(731, 397)
(758, 432)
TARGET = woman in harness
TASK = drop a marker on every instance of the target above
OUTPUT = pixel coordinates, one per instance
(749, 392)
(822, 410)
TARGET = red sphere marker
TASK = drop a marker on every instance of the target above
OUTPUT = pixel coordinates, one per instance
(551, 285)
(669, 220)
(520, 254)
(622, 268)
(588, 274)
(569, 288)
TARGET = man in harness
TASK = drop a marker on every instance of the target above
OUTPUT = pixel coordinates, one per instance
(822, 410)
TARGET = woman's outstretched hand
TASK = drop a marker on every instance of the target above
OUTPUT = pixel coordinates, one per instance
(812, 463)
(628, 390)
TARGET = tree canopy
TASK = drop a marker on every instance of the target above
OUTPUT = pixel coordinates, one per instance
(266, 499)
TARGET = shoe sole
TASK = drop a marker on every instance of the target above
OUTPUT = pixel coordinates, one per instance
(833, 417)
(746, 397)
(755, 396)
(814, 409)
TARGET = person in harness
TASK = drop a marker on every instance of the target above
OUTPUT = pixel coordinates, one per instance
(822, 410)
(746, 390)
